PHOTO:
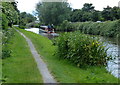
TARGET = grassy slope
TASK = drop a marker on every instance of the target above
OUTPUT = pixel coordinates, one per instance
(63, 70)
(20, 67)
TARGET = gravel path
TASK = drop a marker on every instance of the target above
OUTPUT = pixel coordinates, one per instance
(47, 77)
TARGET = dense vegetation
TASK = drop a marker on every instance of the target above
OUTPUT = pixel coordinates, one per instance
(63, 70)
(81, 49)
(26, 18)
(6, 38)
(108, 28)
(88, 13)
(53, 12)
(10, 12)
(10, 15)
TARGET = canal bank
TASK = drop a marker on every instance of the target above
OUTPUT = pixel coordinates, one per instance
(113, 66)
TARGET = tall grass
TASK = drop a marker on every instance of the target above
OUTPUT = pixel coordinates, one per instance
(108, 28)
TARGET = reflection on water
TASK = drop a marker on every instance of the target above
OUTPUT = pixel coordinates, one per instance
(114, 50)
(35, 30)
(111, 43)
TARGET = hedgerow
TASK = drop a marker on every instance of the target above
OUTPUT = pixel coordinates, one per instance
(6, 36)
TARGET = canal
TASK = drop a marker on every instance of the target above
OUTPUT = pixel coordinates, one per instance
(112, 44)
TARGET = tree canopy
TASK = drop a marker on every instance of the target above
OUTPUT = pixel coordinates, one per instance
(53, 12)
(26, 18)
(11, 12)
(88, 13)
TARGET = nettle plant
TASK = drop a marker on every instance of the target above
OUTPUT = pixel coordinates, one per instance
(81, 49)
(6, 36)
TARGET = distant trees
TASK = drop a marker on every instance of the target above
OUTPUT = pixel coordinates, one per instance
(53, 12)
(88, 13)
(110, 13)
(88, 7)
(57, 12)
(26, 18)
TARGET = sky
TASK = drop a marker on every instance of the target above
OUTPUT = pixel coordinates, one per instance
(29, 5)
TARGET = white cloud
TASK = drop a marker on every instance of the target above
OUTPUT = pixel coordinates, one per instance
(29, 5)
(99, 4)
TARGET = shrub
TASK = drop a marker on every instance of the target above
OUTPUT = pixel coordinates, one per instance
(7, 34)
(81, 49)
(4, 22)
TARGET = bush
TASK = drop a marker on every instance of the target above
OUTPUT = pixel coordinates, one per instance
(81, 49)
(7, 34)
(4, 22)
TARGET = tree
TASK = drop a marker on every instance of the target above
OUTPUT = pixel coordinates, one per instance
(87, 13)
(88, 7)
(11, 12)
(76, 15)
(96, 16)
(26, 18)
(53, 12)
(115, 13)
(106, 13)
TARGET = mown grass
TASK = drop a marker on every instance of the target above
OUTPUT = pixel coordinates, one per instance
(63, 70)
(20, 67)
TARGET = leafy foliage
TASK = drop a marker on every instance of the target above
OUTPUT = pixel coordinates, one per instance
(81, 49)
(88, 7)
(11, 12)
(10, 16)
(26, 18)
(88, 13)
(4, 21)
(53, 12)
(7, 35)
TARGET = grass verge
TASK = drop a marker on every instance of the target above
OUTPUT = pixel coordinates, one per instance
(64, 71)
(20, 67)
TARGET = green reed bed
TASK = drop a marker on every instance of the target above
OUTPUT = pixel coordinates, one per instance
(107, 28)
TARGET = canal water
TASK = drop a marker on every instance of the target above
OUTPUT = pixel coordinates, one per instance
(112, 44)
